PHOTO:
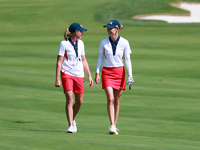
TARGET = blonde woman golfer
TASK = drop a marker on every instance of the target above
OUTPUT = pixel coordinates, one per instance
(113, 49)
(71, 64)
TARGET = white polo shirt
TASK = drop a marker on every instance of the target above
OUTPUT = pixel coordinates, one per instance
(122, 49)
(71, 64)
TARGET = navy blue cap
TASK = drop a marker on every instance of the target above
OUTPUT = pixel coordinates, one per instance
(76, 27)
(113, 24)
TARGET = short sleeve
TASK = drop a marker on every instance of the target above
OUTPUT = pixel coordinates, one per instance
(61, 49)
(82, 48)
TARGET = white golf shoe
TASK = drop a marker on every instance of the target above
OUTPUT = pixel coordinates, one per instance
(113, 130)
(74, 125)
(70, 129)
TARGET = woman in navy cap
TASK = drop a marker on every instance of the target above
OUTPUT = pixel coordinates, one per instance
(71, 64)
(114, 48)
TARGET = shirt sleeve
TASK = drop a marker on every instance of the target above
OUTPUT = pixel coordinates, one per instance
(127, 47)
(100, 58)
(82, 47)
(128, 64)
(101, 47)
(99, 62)
(61, 49)
(128, 59)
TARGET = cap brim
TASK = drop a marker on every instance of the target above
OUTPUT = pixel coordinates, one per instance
(109, 26)
(83, 29)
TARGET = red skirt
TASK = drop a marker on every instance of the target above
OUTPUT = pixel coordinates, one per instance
(114, 77)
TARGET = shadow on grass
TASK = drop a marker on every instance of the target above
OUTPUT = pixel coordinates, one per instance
(32, 130)
(24, 121)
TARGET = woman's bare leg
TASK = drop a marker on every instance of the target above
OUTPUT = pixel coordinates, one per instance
(68, 108)
(77, 104)
(110, 104)
(117, 97)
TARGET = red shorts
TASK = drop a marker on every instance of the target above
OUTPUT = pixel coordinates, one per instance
(75, 84)
(114, 77)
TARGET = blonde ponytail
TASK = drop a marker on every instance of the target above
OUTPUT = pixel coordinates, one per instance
(121, 27)
(67, 34)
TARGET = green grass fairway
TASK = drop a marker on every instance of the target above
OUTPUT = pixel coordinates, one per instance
(161, 112)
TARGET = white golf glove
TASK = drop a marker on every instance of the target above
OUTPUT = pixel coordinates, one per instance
(130, 80)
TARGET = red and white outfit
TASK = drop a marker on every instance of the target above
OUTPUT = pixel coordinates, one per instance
(113, 72)
(72, 71)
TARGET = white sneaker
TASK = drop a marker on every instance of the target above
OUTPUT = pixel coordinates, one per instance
(113, 130)
(74, 125)
(70, 129)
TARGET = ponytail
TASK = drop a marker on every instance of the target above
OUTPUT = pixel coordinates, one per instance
(121, 26)
(67, 34)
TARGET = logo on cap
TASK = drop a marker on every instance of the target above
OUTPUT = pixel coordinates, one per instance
(113, 24)
(110, 22)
